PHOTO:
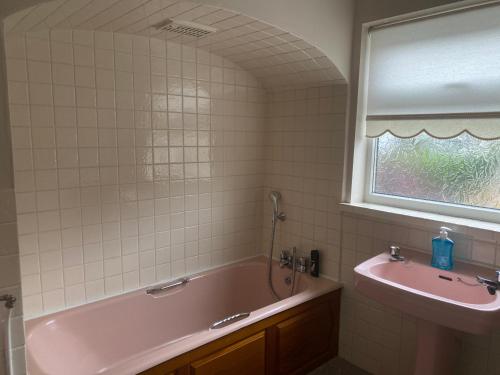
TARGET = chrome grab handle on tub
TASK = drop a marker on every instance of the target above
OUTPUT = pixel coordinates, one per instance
(228, 320)
(164, 287)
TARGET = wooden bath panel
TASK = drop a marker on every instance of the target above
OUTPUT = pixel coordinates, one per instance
(292, 342)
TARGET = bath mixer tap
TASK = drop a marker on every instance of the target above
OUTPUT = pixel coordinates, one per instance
(491, 285)
(302, 264)
(394, 252)
(289, 260)
(286, 259)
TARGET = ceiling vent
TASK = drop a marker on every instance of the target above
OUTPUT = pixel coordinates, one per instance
(185, 28)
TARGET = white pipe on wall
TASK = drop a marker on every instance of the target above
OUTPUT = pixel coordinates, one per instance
(6, 334)
(8, 346)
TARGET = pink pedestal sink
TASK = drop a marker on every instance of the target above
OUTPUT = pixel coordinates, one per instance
(444, 301)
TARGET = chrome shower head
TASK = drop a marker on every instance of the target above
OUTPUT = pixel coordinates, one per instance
(275, 196)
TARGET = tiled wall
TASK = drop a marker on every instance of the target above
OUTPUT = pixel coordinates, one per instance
(304, 149)
(382, 340)
(135, 161)
(10, 278)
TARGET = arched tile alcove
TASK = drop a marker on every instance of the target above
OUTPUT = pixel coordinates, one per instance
(142, 155)
(277, 58)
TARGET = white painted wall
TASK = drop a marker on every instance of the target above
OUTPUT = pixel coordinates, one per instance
(327, 24)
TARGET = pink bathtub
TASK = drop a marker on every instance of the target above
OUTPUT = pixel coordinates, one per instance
(130, 333)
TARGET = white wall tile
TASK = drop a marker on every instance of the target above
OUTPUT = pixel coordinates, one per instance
(104, 139)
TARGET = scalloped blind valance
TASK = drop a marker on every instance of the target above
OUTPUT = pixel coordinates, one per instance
(438, 75)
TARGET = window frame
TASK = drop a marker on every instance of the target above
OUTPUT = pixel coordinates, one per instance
(363, 167)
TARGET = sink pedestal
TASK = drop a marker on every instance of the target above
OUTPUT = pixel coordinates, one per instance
(437, 349)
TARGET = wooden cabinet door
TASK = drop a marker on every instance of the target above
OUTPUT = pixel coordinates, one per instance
(246, 357)
(304, 341)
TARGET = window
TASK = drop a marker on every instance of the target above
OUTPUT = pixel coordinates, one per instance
(463, 170)
(432, 110)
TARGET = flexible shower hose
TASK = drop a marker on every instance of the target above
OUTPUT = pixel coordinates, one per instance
(270, 261)
(270, 265)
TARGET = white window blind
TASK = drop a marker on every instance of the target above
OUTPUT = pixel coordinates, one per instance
(440, 75)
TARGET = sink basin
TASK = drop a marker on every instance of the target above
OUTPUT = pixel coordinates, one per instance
(443, 301)
(450, 298)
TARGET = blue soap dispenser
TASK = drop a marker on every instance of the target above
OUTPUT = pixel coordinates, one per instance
(442, 250)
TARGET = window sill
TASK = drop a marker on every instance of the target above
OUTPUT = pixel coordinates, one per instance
(413, 217)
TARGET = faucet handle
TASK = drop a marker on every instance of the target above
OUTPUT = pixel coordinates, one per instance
(394, 250)
(497, 273)
(302, 264)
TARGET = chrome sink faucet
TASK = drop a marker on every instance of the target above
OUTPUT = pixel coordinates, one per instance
(491, 285)
(394, 252)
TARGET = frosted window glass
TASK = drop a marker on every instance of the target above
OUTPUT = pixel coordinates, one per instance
(463, 170)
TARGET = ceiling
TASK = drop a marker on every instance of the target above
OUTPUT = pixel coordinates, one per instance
(277, 58)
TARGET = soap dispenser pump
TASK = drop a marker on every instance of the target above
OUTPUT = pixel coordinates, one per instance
(442, 250)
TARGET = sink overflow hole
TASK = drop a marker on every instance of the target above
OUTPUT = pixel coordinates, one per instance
(445, 278)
